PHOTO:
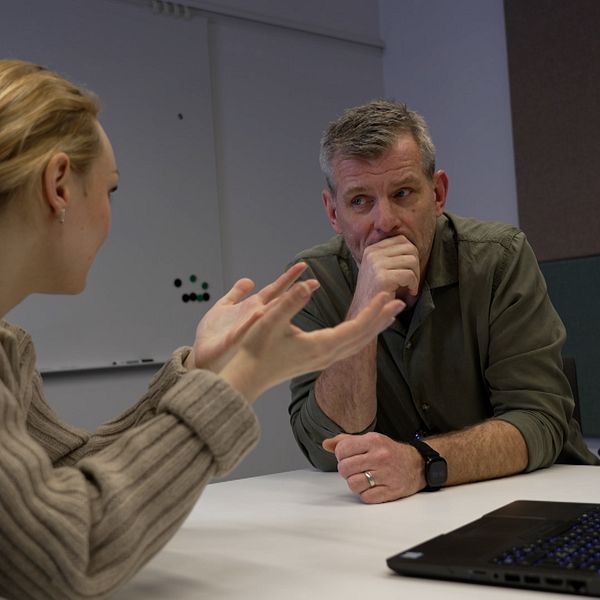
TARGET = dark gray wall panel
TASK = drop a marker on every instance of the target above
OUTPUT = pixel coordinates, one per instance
(554, 71)
(574, 288)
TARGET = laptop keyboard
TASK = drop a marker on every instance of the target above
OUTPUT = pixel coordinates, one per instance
(577, 548)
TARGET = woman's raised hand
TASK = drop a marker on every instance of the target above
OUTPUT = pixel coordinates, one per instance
(273, 350)
(223, 326)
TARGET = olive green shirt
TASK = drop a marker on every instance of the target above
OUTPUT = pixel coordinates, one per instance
(483, 341)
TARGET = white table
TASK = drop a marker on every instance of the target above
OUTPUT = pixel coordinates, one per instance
(302, 535)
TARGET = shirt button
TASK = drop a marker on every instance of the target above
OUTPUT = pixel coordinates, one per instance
(425, 406)
(408, 345)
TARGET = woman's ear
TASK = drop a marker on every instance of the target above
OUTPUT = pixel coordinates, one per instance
(56, 183)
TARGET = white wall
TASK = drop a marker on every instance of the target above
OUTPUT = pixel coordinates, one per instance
(276, 84)
(346, 19)
(447, 60)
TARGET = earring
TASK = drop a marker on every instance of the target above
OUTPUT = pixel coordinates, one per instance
(61, 216)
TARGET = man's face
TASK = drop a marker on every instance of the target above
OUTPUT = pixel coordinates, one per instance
(384, 197)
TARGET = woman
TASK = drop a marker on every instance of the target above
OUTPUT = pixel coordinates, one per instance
(80, 513)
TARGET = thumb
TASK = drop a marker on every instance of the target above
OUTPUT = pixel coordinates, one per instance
(330, 443)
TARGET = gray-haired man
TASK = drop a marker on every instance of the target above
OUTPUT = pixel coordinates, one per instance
(467, 384)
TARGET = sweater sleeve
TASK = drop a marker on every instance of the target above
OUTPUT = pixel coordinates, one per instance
(66, 444)
(82, 529)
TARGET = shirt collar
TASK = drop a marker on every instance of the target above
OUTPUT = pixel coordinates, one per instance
(443, 260)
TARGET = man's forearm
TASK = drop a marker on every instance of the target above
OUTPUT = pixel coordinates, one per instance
(346, 391)
(491, 449)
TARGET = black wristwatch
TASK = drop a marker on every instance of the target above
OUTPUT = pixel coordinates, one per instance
(436, 467)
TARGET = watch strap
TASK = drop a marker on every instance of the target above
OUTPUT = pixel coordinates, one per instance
(431, 458)
(425, 450)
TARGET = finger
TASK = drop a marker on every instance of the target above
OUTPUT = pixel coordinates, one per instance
(378, 494)
(282, 283)
(378, 315)
(330, 444)
(240, 289)
(349, 337)
(404, 269)
(356, 464)
(358, 482)
(399, 249)
(413, 285)
(400, 262)
(290, 302)
(346, 339)
(349, 446)
(379, 312)
(395, 241)
(313, 284)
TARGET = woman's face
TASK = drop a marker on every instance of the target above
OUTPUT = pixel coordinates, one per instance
(87, 220)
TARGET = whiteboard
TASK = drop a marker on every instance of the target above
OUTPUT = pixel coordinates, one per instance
(156, 101)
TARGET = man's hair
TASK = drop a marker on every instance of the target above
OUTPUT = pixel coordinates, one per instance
(41, 113)
(369, 131)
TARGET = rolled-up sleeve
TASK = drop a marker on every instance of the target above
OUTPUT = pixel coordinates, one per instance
(327, 308)
(527, 385)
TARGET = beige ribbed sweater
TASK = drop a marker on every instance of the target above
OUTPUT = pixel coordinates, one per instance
(80, 513)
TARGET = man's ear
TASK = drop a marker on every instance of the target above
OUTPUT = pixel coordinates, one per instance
(440, 188)
(331, 210)
(56, 183)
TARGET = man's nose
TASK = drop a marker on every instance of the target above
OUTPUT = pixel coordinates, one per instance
(385, 217)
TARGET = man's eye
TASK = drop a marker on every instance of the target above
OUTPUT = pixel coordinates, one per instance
(358, 201)
(403, 193)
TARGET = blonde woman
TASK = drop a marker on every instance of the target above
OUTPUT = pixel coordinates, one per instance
(81, 512)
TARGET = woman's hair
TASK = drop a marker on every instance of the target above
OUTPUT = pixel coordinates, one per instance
(41, 113)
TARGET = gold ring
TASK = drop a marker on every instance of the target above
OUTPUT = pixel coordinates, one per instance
(370, 478)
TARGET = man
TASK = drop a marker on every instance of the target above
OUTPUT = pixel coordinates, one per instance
(467, 384)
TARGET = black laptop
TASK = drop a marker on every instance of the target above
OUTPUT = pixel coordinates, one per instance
(550, 546)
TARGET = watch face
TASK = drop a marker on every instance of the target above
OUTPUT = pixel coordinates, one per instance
(437, 472)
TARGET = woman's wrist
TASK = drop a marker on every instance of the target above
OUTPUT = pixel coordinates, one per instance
(240, 374)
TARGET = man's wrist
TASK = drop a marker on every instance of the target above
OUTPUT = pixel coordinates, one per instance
(435, 467)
